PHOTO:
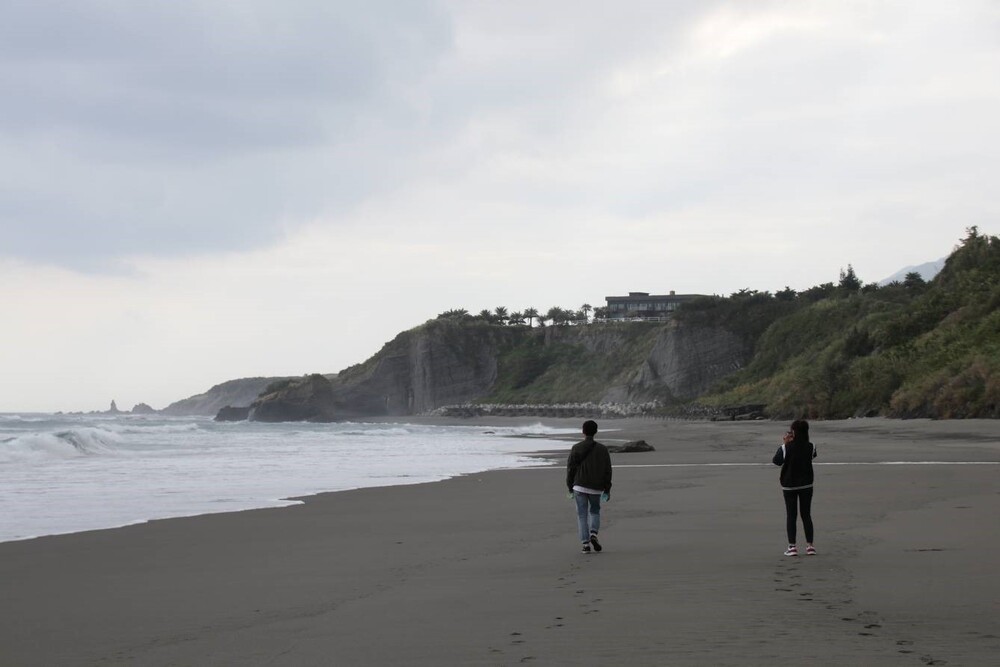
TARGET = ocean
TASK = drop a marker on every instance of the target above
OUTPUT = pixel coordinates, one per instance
(70, 473)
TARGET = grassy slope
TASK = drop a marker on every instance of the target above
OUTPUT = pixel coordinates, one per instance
(572, 364)
(918, 350)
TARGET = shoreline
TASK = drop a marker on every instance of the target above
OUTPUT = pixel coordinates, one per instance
(624, 429)
(484, 568)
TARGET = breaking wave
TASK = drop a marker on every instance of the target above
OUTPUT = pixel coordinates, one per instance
(84, 441)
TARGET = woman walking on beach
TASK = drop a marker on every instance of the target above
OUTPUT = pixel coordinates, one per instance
(795, 457)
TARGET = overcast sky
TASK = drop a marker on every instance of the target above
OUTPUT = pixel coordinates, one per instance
(197, 191)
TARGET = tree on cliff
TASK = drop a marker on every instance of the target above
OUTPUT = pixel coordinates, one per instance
(849, 281)
(500, 313)
(454, 313)
(558, 315)
(532, 315)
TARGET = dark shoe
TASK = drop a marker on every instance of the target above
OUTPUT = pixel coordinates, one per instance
(586, 548)
(594, 543)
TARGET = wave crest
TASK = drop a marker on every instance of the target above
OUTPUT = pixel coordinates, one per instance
(86, 441)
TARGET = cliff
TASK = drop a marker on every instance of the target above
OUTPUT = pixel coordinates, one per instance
(909, 349)
(448, 362)
(683, 363)
(234, 393)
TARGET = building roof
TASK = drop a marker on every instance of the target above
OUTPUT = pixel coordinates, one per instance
(646, 296)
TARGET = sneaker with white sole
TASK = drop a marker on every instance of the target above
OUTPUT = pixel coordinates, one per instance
(594, 543)
(810, 550)
(792, 550)
(586, 548)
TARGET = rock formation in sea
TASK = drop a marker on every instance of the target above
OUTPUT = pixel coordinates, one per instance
(305, 399)
(231, 414)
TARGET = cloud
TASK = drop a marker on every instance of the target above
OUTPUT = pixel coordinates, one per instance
(193, 126)
(252, 188)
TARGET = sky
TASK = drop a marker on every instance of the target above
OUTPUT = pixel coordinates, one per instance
(197, 191)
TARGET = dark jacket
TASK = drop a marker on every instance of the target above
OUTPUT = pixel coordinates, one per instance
(795, 460)
(589, 465)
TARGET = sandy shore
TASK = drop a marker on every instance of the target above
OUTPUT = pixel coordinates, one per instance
(485, 569)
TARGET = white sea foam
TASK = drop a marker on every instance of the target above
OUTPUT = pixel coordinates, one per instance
(67, 473)
(84, 441)
(538, 429)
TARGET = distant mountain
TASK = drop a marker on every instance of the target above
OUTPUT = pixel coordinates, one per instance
(927, 271)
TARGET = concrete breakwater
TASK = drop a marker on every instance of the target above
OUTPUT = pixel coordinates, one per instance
(651, 409)
(567, 410)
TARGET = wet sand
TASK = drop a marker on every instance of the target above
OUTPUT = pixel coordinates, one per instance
(485, 569)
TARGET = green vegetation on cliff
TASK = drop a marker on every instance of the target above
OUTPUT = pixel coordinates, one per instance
(905, 349)
(571, 364)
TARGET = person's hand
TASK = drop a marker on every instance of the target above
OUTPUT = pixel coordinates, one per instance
(788, 437)
(606, 496)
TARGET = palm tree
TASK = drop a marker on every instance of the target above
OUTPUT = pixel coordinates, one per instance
(516, 317)
(531, 314)
(485, 315)
(585, 309)
(454, 313)
(501, 314)
(556, 314)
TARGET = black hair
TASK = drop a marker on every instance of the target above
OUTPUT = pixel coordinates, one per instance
(800, 430)
(589, 427)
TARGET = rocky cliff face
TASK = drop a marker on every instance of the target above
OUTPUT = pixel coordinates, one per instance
(234, 393)
(437, 364)
(304, 399)
(447, 363)
(684, 360)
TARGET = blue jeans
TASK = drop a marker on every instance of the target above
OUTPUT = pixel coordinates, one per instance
(588, 513)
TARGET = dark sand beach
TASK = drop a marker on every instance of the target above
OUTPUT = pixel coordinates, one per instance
(486, 570)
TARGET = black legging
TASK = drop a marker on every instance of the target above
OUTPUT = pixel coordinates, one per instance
(795, 500)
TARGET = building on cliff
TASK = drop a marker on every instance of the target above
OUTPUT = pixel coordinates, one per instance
(643, 305)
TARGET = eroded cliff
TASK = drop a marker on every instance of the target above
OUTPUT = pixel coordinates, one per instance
(448, 362)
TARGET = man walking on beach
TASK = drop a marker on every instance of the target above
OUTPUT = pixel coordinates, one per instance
(588, 478)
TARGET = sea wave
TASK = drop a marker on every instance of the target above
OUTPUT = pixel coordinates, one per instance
(131, 427)
(378, 431)
(534, 429)
(84, 441)
(29, 419)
